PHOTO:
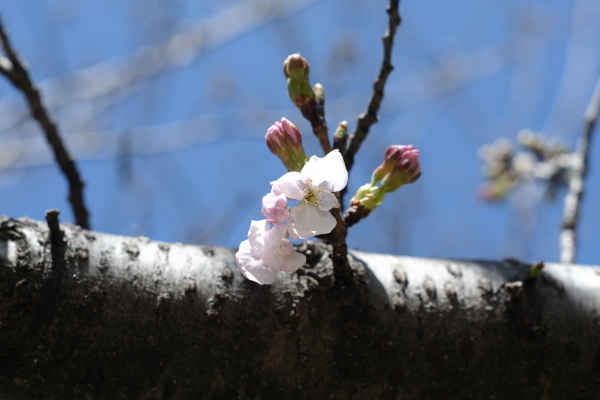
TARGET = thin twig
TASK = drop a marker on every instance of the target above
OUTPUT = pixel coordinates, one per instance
(16, 72)
(337, 237)
(568, 240)
(369, 117)
(314, 112)
(57, 248)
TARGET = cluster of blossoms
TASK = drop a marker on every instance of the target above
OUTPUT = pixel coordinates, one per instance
(312, 183)
(543, 159)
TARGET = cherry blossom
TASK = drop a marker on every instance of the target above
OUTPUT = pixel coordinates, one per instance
(267, 252)
(274, 206)
(314, 186)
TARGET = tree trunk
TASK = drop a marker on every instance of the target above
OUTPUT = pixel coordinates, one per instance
(128, 318)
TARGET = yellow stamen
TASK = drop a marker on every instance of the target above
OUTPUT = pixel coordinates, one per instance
(312, 194)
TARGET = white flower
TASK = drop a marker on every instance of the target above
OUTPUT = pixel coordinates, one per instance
(267, 252)
(313, 186)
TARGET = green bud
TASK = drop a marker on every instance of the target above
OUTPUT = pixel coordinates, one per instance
(368, 196)
(296, 67)
(340, 137)
(319, 92)
(296, 70)
(341, 130)
(536, 269)
(300, 91)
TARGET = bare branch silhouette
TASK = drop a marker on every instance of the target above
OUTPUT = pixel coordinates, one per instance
(16, 72)
(121, 74)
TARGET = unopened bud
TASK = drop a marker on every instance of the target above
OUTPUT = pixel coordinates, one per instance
(400, 166)
(296, 70)
(342, 129)
(368, 196)
(319, 92)
(340, 137)
(285, 141)
(296, 66)
(536, 270)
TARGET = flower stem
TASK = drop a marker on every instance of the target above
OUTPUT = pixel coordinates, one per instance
(341, 267)
(315, 114)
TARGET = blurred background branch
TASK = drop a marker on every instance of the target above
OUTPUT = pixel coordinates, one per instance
(579, 167)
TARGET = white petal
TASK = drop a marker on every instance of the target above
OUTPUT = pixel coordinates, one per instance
(292, 185)
(264, 241)
(294, 261)
(275, 189)
(277, 234)
(330, 169)
(265, 277)
(310, 221)
(252, 266)
(275, 237)
(328, 201)
(292, 230)
(256, 236)
(272, 240)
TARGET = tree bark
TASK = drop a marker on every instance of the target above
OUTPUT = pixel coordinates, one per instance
(129, 318)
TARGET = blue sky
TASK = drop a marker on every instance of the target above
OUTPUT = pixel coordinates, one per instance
(165, 105)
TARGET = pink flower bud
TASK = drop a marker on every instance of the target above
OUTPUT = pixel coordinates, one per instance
(285, 141)
(400, 166)
(274, 207)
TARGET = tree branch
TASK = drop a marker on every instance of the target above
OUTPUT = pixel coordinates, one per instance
(142, 319)
(369, 117)
(16, 72)
(339, 255)
(314, 112)
(579, 165)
